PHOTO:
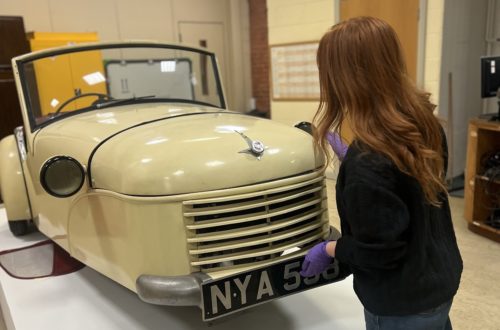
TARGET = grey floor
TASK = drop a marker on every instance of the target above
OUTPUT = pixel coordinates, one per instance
(477, 303)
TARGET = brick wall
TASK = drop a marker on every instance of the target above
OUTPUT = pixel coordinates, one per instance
(259, 53)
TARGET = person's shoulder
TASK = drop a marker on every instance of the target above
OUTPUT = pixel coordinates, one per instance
(362, 157)
(361, 164)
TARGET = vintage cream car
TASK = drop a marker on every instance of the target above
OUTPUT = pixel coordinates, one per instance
(130, 161)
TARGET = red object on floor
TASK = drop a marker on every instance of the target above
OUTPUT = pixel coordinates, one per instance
(62, 262)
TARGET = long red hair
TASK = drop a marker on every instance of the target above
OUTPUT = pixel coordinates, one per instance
(363, 78)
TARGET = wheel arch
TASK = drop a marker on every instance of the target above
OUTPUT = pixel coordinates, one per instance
(12, 181)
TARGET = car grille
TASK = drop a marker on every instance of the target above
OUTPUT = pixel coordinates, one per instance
(239, 230)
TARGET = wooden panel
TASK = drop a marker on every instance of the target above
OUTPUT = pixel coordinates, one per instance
(470, 172)
(486, 231)
(9, 104)
(13, 43)
(401, 15)
(13, 39)
(481, 193)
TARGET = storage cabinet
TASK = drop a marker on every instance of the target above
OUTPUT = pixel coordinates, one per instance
(481, 190)
(61, 77)
(13, 43)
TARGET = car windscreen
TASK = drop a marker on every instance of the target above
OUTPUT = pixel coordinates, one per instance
(66, 82)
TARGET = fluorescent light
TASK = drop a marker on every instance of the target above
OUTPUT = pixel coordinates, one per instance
(214, 163)
(230, 129)
(54, 103)
(290, 250)
(108, 121)
(94, 78)
(167, 66)
(156, 141)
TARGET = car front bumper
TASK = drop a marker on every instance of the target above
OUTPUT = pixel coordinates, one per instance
(171, 290)
(184, 290)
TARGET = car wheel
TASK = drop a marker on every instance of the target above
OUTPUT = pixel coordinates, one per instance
(18, 227)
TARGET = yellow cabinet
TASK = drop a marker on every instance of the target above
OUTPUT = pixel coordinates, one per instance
(61, 77)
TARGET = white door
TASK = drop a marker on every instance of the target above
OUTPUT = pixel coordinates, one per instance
(210, 36)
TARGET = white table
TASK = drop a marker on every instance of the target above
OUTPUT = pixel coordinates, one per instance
(87, 300)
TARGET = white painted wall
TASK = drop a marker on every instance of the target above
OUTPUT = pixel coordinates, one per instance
(291, 21)
(433, 42)
(148, 19)
(463, 44)
(307, 20)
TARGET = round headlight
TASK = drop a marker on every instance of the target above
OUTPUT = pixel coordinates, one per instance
(62, 176)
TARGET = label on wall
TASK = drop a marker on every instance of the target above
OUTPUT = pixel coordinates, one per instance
(295, 72)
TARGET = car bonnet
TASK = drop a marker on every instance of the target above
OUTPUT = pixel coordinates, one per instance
(202, 152)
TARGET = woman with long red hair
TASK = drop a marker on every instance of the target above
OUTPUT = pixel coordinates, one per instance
(397, 234)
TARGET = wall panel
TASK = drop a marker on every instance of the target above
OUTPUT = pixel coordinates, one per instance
(148, 20)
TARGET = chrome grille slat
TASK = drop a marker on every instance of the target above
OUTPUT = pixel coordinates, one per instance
(249, 205)
(256, 241)
(248, 229)
(260, 215)
(235, 233)
(235, 198)
(256, 253)
(257, 264)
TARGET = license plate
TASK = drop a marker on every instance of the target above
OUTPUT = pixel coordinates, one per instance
(230, 294)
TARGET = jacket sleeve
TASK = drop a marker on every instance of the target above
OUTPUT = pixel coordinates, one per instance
(377, 218)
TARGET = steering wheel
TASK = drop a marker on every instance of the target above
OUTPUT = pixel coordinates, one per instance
(76, 97)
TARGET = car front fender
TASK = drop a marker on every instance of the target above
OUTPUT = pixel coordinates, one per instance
(12, 184)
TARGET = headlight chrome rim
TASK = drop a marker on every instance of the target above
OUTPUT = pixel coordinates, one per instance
(48, 165)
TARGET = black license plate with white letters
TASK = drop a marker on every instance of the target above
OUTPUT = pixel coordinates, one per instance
(233, 293)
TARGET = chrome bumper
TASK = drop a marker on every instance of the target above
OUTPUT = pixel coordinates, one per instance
(171, 290)
(181, 290)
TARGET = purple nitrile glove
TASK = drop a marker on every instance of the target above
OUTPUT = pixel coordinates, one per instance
(338, 146)
(316, 260)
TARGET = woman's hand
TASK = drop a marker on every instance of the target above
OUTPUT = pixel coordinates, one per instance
(338, 146)
(318, 258)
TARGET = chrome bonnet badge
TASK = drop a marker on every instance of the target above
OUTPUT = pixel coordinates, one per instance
(255, 148)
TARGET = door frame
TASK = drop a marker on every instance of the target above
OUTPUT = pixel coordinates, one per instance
(422, 29)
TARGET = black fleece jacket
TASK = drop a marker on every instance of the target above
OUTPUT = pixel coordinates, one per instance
(401, 250)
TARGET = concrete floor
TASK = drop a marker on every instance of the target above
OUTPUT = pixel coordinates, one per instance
(477, 303)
